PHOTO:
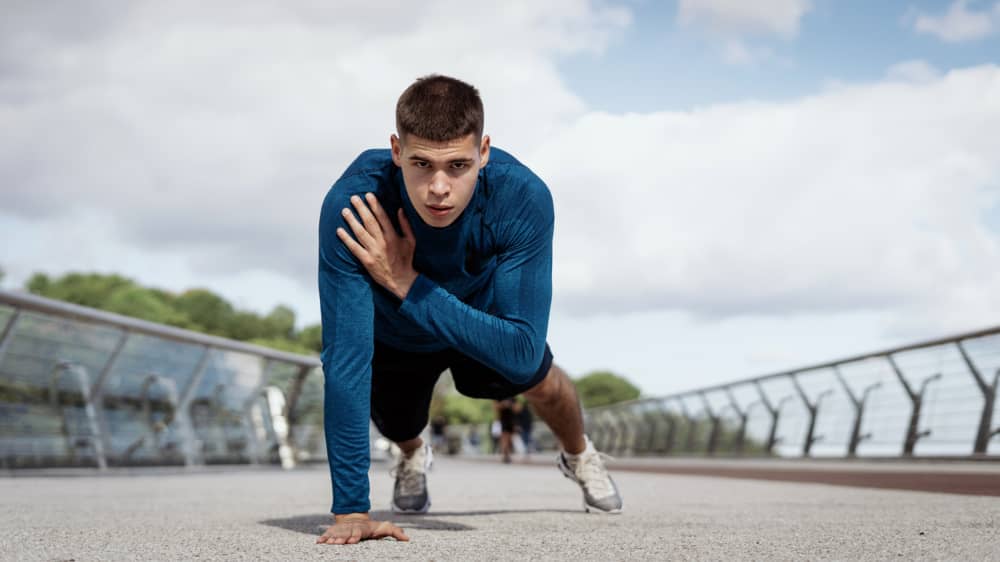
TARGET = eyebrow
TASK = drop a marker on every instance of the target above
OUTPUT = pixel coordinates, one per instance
(420, 158)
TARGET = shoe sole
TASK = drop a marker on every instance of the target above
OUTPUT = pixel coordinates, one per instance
(586, 506)
(400, 511)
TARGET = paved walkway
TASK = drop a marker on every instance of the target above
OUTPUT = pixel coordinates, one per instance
(485, 511)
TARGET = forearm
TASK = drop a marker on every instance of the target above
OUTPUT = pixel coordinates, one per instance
(511, 343)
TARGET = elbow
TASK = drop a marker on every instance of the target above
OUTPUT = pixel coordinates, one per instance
(527, 360)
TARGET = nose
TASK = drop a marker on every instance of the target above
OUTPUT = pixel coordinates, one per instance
(439, 185)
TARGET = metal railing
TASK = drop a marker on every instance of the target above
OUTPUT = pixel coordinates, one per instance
(934, 398)
(83, 387)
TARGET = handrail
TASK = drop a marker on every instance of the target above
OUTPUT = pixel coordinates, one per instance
(35, 303)
(815, 367)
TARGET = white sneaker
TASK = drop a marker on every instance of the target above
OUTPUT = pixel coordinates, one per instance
(599, 490)
(409, 495)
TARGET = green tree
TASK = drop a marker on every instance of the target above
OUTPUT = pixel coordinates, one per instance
(207, 311)
(601, 388)
(139, 302)
(311, 337)
(280, 323)
(86, 289)
(459, 409)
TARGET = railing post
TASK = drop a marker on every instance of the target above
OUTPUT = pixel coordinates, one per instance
(813, 408)
(913, 432)
(671, 419)
(152, 429)
(83, 381)
(247, 414)
(859, 411)
(775, 411)
(744, 415)
(8, 330)
(985, 430)
(97, 390)
(715, 420)
(189, 440)
(691, 427)
(290, 413)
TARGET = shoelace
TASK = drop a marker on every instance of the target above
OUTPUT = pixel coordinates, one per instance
(590, 470)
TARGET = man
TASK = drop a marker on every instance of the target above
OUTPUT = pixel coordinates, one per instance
(436, 254)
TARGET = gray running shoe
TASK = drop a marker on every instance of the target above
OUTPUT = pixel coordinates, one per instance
(599, 491)
(409, 495)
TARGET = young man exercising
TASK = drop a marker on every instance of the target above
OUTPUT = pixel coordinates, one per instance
(436, 254)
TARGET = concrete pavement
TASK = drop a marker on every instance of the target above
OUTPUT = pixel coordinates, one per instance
(484, 511)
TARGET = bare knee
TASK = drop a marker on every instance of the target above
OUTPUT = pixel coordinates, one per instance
(553, 387)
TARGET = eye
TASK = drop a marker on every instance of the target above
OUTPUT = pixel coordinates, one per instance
(420, 164)
(459, 165)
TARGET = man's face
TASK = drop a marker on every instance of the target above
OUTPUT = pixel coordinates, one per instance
(440, 177)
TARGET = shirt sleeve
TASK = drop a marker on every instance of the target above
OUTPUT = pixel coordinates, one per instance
(347, 315)
(510, 337)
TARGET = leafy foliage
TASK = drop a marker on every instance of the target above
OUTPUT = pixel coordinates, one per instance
(601, 388)
(196, 309)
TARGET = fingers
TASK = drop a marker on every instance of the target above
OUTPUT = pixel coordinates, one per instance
(399, 535)
(361, 232)
(380, 216)
(357, 249)
(387, 529)
(372, 224)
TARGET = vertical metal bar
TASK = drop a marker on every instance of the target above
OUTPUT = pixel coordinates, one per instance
(691, 427)
(740, 439)
(859, 410)
(714, 419)
(189, 440)
(775, 412)
(97, 439)
(247, 414)
(97, 389)
(813, 408)
(913, 433)
(671, 420)
(97, 393)
(290, 412)
(8, 330)
(984, 431)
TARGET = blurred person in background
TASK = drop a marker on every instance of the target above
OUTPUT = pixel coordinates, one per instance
(507, 412)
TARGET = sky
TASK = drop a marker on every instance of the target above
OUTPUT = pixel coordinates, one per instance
(740, 187)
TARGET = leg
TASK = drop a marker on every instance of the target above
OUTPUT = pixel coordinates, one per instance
(402, 385)
(409, 446)
(555, 401)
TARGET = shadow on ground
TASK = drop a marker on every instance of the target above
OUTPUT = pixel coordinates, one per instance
(316, 524)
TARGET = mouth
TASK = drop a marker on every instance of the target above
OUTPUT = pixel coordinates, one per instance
(438, 210)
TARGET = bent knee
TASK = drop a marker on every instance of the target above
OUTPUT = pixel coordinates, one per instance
(550, 388)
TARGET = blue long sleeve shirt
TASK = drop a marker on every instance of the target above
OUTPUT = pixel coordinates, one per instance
(484, 287)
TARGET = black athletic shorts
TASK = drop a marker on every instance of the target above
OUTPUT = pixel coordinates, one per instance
(403, 382)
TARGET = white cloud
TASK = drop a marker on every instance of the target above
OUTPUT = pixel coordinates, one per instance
(959, 23)
(214, 130)
(866, 197)
(738, 17)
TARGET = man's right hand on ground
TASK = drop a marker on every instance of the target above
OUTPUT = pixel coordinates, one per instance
(356, 527)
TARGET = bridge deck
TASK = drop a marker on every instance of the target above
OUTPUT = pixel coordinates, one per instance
(484, 511)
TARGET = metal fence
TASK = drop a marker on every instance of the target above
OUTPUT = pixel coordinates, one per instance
(81, 387)
(930, 399)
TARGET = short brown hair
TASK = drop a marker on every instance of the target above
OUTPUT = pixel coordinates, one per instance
(439, 108)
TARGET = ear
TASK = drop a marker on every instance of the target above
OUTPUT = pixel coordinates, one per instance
(484, 151)
(397, 150)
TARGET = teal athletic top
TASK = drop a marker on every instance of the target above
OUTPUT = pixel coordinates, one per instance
(484, 288)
